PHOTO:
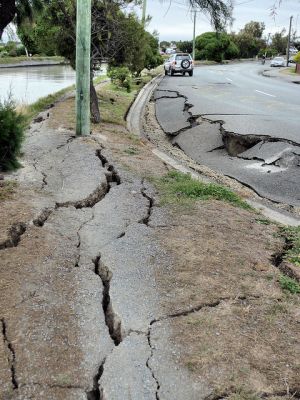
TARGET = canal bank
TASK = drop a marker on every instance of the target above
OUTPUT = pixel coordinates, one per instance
(27, 85)
(24, 62)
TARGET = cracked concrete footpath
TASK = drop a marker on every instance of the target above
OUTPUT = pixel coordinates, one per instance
(106, 293)
(78, 291)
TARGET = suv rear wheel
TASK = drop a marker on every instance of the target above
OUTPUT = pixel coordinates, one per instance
(185, 64)
(191, 73)
(166, 72)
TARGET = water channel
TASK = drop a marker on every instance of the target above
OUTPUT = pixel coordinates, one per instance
(28, 84)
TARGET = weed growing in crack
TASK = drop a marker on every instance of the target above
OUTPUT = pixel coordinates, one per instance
(263, 221)
(179, 187)
(292, 237)
(131, 151)
(289, 284)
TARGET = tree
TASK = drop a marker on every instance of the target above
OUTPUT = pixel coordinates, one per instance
(215, 46)
(9, 9)
(280, 42)
(254, 29)
(118, 38)
(7, 13)
(186, 46)
(164, 45)
(249, 40)
(219, 11)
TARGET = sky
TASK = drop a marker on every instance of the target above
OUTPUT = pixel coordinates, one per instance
(173, 20)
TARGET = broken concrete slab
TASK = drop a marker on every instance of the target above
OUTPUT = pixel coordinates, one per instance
(270, 152)
(131, 262)
(281, 184)
(56, 307)
(122, 206)
(72, 181)
(126, 375)
(171, 115)
(205, 137)
(260, 125)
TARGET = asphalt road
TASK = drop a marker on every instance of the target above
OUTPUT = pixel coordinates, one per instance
(246, 105)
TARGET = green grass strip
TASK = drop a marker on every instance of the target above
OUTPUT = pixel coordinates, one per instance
(177, 186)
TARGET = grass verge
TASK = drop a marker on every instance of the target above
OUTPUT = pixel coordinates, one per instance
(17, 60)
(288, 71)
(31, 110)
(115, 101)
(177, 187)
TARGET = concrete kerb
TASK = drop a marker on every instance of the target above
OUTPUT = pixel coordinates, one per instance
(134, 125)
(136, 112)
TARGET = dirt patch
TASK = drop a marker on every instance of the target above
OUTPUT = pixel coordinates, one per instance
(245, 344)
(15, 209)
(234, 325)
(218, 251)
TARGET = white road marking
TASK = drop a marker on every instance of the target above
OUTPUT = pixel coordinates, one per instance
(230, 80)
(266, 94)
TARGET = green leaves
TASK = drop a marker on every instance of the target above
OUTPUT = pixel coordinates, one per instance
(11, 136)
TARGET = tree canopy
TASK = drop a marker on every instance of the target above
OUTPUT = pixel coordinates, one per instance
(219, 11)
(215, 46)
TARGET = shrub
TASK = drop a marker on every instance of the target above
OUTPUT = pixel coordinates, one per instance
(121, 76)
(297, 58)
(11, 135)
(289, 284)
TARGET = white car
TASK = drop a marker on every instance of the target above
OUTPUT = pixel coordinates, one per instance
(278, 62)
(179, 63)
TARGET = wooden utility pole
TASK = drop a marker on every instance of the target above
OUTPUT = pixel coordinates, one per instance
(194, 35)
(289, 43)
(144, 12)
(83, 63)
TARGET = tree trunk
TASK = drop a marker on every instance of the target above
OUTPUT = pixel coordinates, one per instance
(95, 112)
(7, 13)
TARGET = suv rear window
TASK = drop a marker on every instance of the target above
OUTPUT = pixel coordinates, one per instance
(183, 57)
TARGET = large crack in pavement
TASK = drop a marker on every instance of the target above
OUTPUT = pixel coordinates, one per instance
(112, 320)
(207, 141)
(149, 366)
(11, 357)
(17, 230)
(150, 199)
(15, 233)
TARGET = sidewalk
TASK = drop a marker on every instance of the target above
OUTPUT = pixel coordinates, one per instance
(282, 73)
(112, 289)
